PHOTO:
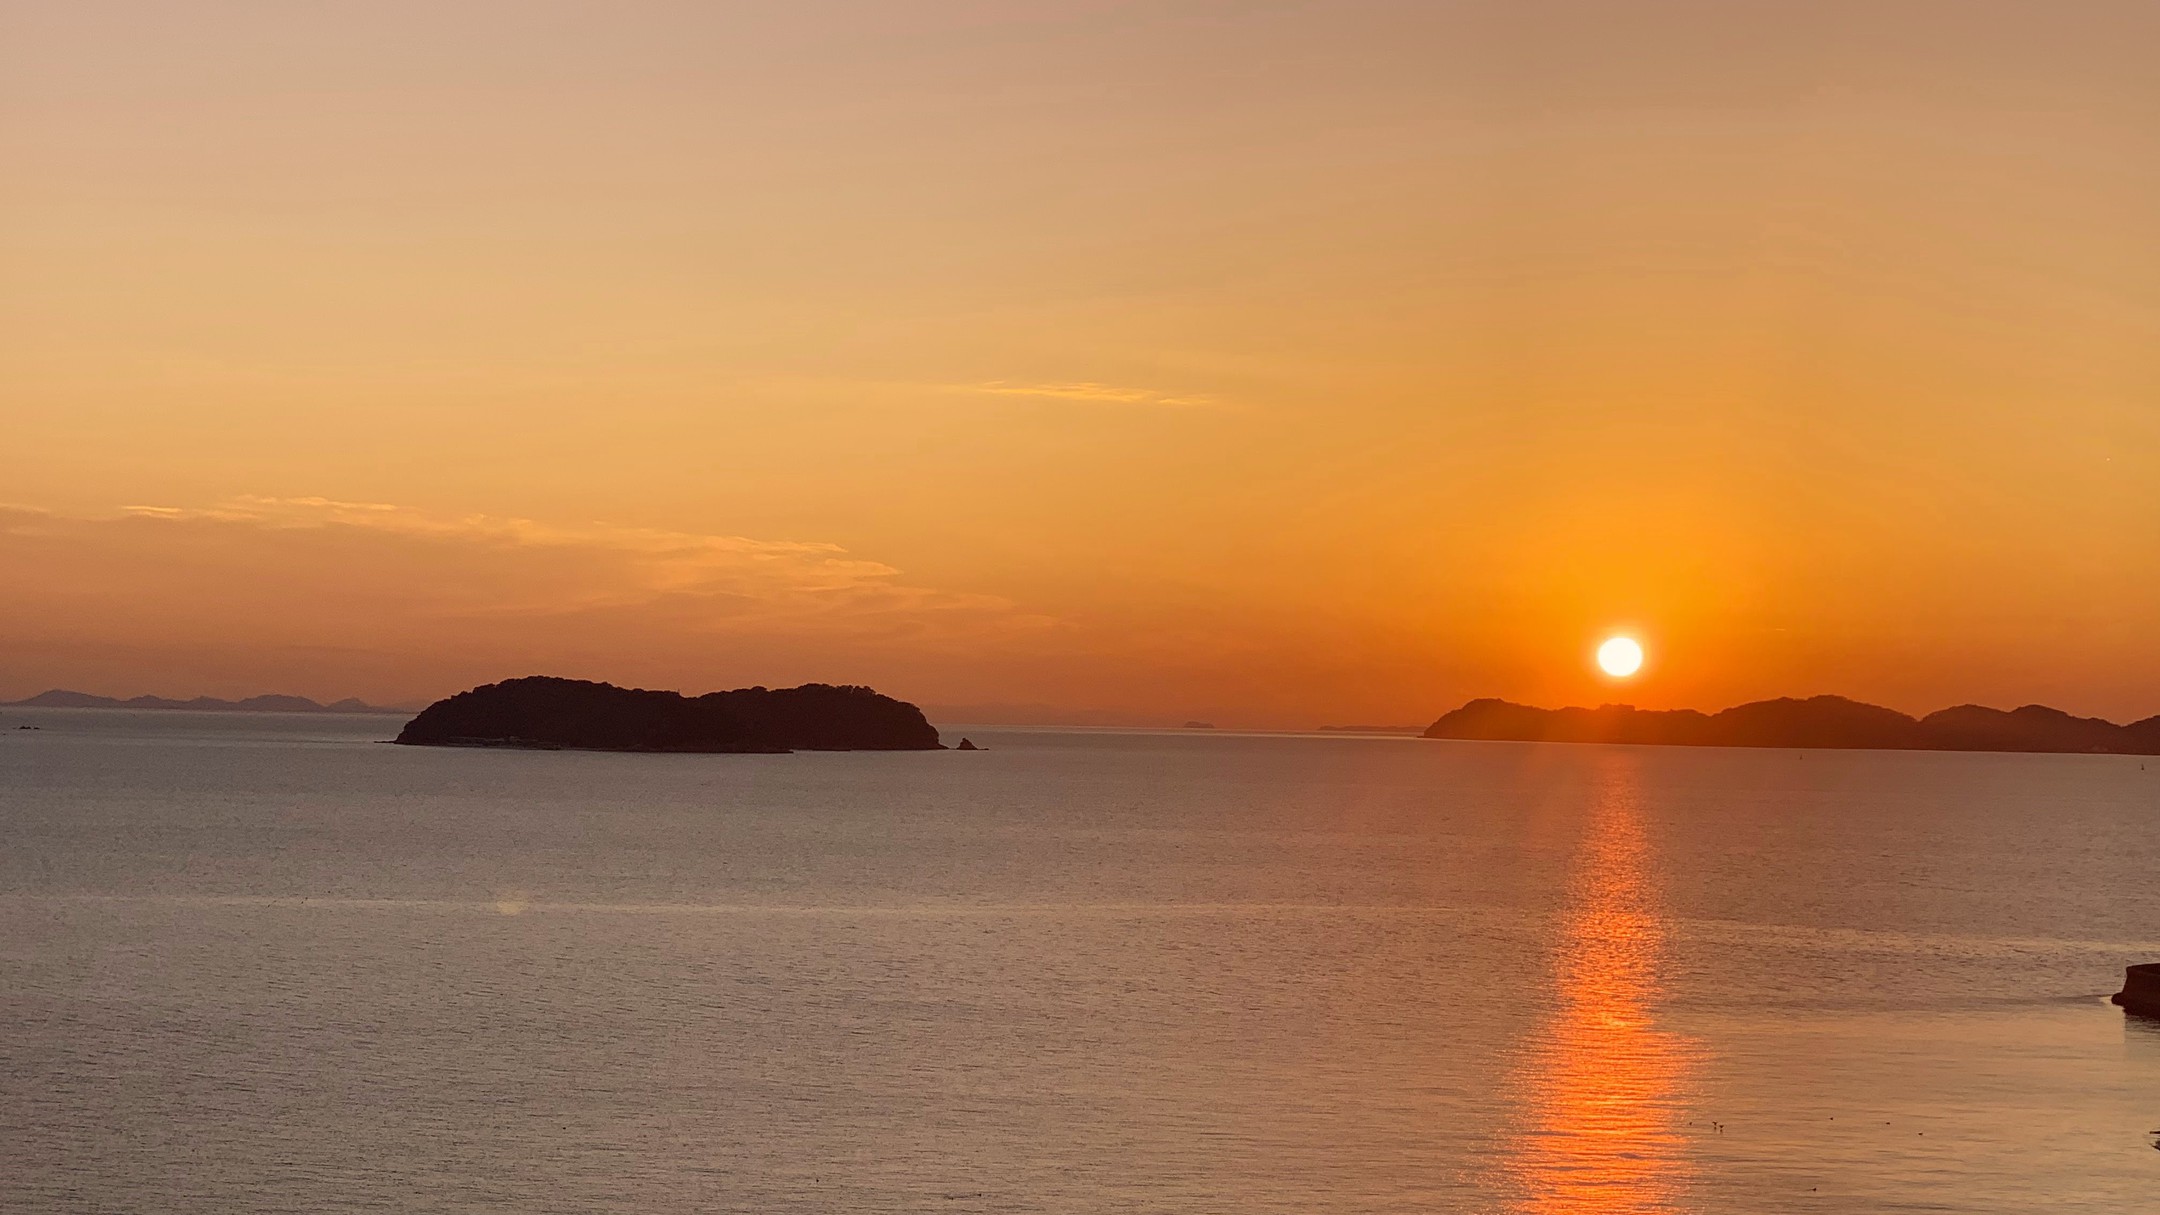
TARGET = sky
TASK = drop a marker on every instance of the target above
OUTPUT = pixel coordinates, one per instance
(1275, 364)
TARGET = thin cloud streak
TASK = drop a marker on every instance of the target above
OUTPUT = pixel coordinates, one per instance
(321, 512)
(1092, 392)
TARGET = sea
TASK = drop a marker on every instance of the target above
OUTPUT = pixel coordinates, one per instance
(263, 963)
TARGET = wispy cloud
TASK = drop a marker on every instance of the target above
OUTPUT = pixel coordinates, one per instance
(316, 594)
(666, 549)
(513, 566)
(1092, 392)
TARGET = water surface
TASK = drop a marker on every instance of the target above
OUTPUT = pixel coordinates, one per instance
(252, 963)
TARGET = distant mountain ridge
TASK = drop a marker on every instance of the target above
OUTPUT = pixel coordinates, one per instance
(1819, 722)
(61, 698)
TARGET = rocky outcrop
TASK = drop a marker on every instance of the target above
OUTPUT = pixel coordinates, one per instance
(572, 714)
(2141, 990)
(1817, 722)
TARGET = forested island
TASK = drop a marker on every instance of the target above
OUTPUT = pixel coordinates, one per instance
(544, 713)
(1817, 722)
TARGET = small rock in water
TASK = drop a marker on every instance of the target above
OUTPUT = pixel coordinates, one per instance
(967, 745)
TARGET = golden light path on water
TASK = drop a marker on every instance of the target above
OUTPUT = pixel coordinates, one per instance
(1602, 1085)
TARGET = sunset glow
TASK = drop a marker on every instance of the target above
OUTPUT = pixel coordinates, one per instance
(1484, 608)
(1056, 356)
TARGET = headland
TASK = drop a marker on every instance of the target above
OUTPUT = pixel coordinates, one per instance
(1818, 722)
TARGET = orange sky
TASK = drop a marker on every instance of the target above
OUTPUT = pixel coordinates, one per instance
(1271, 363)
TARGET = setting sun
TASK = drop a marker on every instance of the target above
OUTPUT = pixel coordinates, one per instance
(1620, 657)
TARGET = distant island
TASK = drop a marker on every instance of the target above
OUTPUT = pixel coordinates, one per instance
(61, 698)
(544, 713)
(1819, 722)
(1370, 729)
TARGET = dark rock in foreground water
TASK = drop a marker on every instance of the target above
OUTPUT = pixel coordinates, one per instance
(2141, 990)
(543, 713)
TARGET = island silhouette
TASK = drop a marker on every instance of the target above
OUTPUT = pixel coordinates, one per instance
(541, 712)
(1818, 722)
(62, 698)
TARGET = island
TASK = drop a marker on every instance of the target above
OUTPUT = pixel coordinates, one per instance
(1369, 729)
(1819, 722)
(61, 698)
(541, 712)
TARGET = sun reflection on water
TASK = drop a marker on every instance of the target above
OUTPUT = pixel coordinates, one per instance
(1600, 1083)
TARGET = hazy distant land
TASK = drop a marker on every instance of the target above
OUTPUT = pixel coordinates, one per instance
(544, 713)
(1820, 722)
(577, 715)
(61, 698)
(1371, 729)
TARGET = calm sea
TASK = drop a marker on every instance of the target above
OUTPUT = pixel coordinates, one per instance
(262, 964)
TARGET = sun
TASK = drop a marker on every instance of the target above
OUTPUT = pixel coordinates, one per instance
(1620, 657)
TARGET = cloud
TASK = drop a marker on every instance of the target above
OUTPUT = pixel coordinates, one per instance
(312, 576)
(1105, 394)
(641, 563)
